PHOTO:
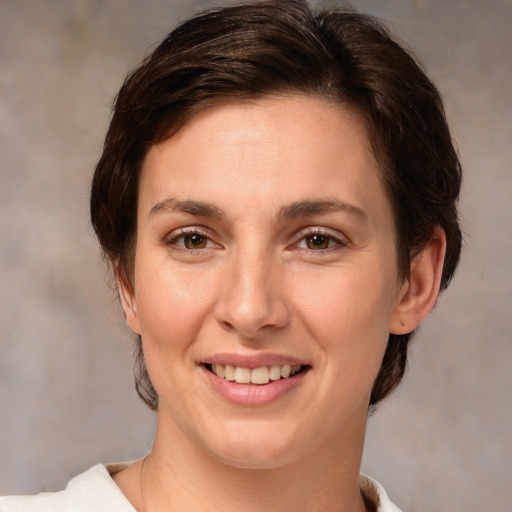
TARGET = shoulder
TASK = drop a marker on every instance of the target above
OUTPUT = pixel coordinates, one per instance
(92, 490)
(376, 494)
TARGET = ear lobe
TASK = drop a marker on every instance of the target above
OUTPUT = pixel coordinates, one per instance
(419, 292)
(129, 304)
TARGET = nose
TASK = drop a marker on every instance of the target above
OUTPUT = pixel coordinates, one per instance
(252, 299)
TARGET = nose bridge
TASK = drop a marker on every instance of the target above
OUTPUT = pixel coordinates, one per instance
(252, 299)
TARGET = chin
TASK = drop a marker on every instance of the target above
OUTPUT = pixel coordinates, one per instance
(255, 448)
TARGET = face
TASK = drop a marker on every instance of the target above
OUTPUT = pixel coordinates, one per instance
(265, 254)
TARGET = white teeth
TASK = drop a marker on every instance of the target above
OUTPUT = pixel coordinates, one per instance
(242, 375)
(275, 372)
(229, 372)
(261, 375)
(295, 368)
(219, 370)
(285, 371)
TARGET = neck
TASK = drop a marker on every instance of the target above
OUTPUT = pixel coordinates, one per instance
(180, 475)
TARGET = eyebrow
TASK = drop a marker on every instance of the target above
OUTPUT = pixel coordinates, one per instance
(189, 206)
(306, 208)
(317, 207)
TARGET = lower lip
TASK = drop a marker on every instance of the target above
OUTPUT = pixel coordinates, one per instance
(251, 395)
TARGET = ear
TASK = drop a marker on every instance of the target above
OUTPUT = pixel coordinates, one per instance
(419, 291)
(129, 303)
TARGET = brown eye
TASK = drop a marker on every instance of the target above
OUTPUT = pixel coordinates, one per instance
(195, 241)
(317, 242)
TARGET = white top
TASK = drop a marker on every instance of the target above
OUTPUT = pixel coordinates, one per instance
(95, 490)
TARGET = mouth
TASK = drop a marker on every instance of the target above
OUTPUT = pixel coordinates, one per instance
(259, 376)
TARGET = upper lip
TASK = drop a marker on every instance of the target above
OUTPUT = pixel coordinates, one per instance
(253, 361)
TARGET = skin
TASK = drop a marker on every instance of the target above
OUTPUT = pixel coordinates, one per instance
(293, 256)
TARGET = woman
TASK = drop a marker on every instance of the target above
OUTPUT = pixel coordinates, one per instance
(277, 200)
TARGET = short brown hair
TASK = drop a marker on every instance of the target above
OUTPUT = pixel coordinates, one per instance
(259, 49)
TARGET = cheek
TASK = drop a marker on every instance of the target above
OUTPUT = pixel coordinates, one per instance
(172, 304)
(348, 314)
(172, 307)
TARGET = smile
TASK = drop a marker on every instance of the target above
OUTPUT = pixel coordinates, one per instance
(261, 375)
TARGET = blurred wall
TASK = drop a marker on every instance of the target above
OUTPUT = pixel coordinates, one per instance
(443, 442)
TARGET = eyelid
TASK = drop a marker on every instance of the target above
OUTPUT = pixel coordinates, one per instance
(172, 237)
(340, 239)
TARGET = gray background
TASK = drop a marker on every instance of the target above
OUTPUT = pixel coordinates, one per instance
(442, 443)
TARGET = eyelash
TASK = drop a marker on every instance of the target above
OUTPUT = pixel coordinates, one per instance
(333, 241)
(182, 233)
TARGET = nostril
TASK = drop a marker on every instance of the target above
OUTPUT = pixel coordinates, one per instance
(226, 325)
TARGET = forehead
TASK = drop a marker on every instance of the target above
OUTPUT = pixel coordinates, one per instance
(280, 148)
